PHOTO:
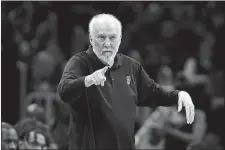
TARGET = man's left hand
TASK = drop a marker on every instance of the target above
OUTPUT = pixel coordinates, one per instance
(185, 100)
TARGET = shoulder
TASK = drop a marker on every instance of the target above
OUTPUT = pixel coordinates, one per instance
(128, 61)
(78, 58)
(77, 61)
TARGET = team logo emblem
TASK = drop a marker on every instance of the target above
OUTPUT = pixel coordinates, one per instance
(128, 78)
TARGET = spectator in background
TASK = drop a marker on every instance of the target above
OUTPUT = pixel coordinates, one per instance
(195, 80)
(210, 141)
(218, 31)
(48, 53)
(79, 40)
(45, 69)
(144, 30)
(60, 124)
(135, 54)
(20, 17)
(36, 112)
(129, 12)
(35, 139)
(152, 60)
(9, 137)
(28, 129)
(165, 128)
(178, 135)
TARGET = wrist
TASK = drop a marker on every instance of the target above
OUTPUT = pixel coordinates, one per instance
(87, 81)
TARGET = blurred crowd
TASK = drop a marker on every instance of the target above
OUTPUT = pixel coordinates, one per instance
(180, 44)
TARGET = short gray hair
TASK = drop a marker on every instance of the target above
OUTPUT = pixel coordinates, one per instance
(104, 16)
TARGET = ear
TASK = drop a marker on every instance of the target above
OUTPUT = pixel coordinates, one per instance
(90, 39)
(120, 37)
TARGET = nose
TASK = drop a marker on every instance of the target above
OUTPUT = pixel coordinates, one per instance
(107, 43)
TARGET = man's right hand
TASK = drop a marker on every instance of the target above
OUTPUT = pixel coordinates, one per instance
(96, 78)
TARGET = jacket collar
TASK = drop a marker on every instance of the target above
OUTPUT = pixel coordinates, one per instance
(95, 60)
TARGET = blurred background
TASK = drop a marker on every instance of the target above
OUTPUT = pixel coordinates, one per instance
(180, 44)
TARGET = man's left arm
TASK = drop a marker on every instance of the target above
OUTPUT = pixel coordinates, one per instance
(151, 94)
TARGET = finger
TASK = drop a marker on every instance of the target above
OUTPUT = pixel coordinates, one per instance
(103, 80)
(187, 114)
(193, 113)
(103, 70)
(96, 80)
(102, 83)
(190, 114)
(180, 105)
(93, 81)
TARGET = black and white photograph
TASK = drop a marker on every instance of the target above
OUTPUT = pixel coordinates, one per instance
(83, 75)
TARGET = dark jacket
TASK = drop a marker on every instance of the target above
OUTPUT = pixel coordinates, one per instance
(103, 117)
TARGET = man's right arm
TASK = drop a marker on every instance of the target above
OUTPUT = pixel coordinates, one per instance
(72, 85)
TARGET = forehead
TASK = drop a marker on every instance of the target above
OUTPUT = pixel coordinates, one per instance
(9, 134)
(105, 27)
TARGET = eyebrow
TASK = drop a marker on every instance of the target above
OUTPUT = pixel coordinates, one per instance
(106, 35)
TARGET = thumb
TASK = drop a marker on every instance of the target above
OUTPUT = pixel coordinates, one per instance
(179, 105)
(103, 70)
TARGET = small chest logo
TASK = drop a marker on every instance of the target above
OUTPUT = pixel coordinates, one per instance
(128, 78)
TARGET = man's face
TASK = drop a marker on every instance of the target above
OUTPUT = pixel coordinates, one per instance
(9, 139)
(105, 40)
(35, 141)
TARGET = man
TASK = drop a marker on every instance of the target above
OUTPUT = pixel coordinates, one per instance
(103, 88)
(9, 136)
(32, 134)
(35, 139)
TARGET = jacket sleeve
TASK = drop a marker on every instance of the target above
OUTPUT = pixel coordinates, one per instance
(71, 85)
(150, 94)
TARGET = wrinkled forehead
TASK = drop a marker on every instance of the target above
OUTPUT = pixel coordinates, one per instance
(105, 27)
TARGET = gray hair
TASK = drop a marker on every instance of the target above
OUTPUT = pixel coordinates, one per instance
(104, 16)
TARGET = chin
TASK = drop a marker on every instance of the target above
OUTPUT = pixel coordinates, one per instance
(108, 60)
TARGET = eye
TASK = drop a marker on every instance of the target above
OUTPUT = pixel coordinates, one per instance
(112, 38)
(101, 37)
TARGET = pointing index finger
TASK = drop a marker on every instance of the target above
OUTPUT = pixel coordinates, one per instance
(103, 71)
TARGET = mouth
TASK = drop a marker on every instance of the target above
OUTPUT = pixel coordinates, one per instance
(107, 51)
